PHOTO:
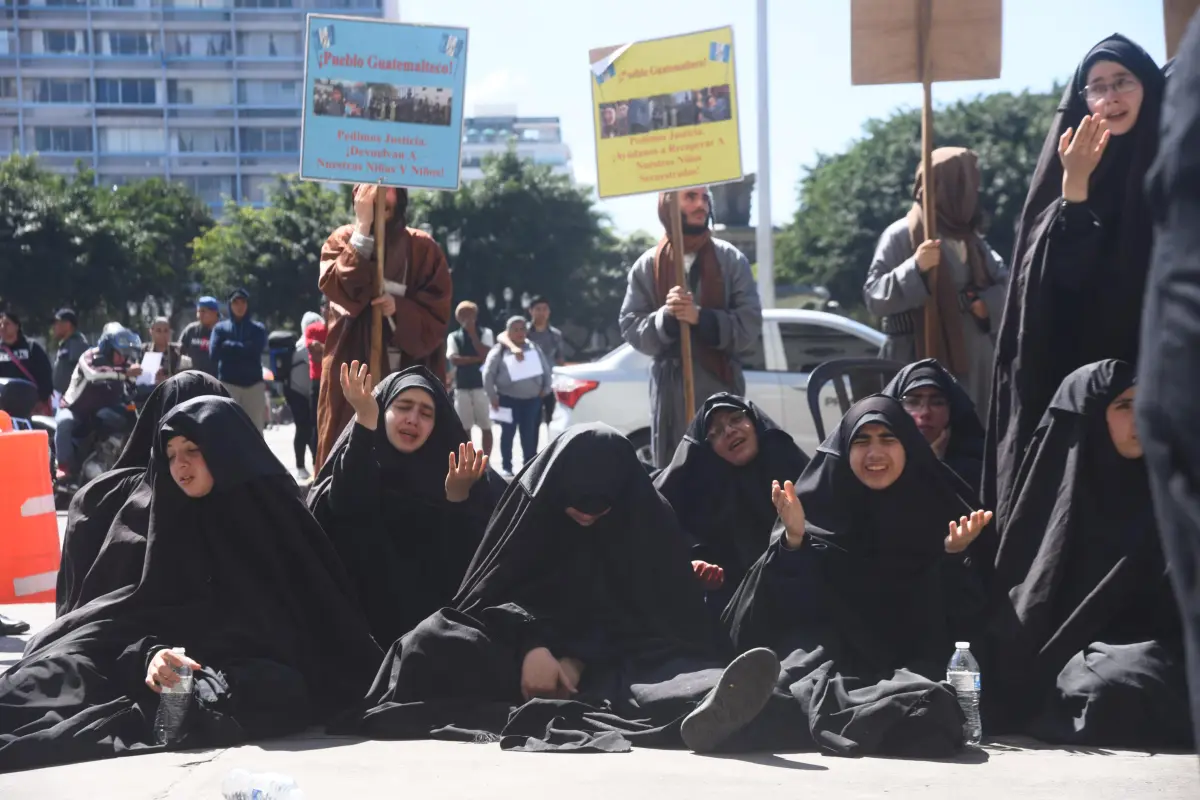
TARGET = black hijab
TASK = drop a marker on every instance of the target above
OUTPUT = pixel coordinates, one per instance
(408, 547)
(1080, 559)
(964, 452)
(242, 574)
(727, 510)
(96, 551)
(629, 572)
(1045, 334)
(878, 553)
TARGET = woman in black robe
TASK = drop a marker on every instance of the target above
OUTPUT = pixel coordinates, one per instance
(719, 484)
(580, 609)
(944, 414)
(94, 507)
(851, 592)
(404, 524)
(1086, 637)
(236, 571)
(1082, 252)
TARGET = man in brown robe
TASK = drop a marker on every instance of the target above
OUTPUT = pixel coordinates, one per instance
(415, 298)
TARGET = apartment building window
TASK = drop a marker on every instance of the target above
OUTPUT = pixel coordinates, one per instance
(126, 91)
(64, 43)
(209, 188)
(9, 140)
(128, 43)
(268, 45)
(270, 140)
(202, 140)
(65, 3)
(197, 3)
(62, 140)
(57, 90)
(255, 188)
(132, 140)
(199, 45)
(263, 3)
(269, 93)
(200, 93)
(350, 3)
(8, 88)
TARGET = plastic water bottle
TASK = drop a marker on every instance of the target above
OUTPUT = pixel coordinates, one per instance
(963, 674)
(173, 704)
(243, 785)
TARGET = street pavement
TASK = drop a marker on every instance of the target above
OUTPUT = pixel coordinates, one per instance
(340, 767)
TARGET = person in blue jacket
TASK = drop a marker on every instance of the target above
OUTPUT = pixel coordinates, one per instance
(236, 347)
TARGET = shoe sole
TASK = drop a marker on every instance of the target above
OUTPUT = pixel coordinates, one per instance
(740, 695)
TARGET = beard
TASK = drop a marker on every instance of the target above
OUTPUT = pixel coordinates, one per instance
(693, 230)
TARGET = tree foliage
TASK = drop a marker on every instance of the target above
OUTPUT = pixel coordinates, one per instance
(846, 200)
(274, 252)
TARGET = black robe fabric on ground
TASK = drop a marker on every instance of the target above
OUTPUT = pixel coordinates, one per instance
(858, 613)
(94, 507)
(964, 452)
(244, 578)
(1086, 643)
(1168, 403)
(618, 595)
(404, 544)
(1079, 272)
(726, 511)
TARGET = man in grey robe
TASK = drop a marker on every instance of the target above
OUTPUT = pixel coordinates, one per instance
(720, 303)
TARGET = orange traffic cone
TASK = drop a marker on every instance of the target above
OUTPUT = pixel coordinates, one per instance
(29, 550)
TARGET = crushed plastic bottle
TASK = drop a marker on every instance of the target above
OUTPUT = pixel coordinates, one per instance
(242, 784)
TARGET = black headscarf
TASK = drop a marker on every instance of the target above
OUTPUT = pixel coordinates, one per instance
(1045, 334)
(628, 573)
(964, 452)
(879, 553)
(108, 556)
(727, 510)
(244, 578)
(404, 543)
(1080, 559)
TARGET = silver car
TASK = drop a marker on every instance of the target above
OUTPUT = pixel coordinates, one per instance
(615, 389)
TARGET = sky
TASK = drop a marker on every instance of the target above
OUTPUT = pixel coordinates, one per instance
(533, 53)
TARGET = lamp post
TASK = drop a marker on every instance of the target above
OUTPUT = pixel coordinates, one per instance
(525, 298)
(453, 244)
(508, 298)
(490, 302)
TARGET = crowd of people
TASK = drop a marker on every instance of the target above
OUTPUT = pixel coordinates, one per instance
(740, 595)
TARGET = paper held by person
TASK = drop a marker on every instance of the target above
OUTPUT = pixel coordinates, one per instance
(529, 367)
(151, 364)
(502, 414)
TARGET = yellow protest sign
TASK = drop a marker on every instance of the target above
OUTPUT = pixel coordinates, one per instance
(665, 114)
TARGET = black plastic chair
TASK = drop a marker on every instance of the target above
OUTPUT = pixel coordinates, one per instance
(865, 376)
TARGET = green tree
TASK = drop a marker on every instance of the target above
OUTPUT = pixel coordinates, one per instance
(846, 200)
(273, 252)
(523, 227)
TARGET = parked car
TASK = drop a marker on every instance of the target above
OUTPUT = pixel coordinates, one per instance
(615, 389)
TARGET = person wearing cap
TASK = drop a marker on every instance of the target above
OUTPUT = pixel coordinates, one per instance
(71, 345)
(196, 337)
(719, 302)
(237, 345)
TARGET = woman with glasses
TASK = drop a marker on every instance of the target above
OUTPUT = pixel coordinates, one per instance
(1082, 251)
(719, 484)
(959, 304)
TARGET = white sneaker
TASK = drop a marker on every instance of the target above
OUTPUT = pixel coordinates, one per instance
(301, 475)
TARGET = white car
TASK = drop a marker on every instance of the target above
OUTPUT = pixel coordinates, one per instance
(615, 389)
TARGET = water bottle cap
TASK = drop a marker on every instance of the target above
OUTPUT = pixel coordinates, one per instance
(963, 645)
(183, 650)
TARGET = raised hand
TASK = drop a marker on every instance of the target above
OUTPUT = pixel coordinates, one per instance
(356, 387)
(1080, 152)
(791, 512)
(465, 469)
(966, 530)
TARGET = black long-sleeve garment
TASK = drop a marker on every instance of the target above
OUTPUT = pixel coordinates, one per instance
(1168, 402)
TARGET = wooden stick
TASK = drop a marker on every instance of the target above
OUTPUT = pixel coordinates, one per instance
(378, 354)
(685, 330)
(928, 204)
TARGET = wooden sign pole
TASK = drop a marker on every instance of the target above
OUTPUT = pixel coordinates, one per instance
(928, 203)
(377, 351)
(685, 330)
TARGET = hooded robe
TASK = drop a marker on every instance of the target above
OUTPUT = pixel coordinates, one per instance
(726, 511)
(1079, 272)
(1086, 638)
(244, 578)
(94, 507)
(413, 260)
(404, 544)
(858, 613)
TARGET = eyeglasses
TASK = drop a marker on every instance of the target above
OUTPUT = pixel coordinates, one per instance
(736, 419)
(1098, 91)
(917, 402)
